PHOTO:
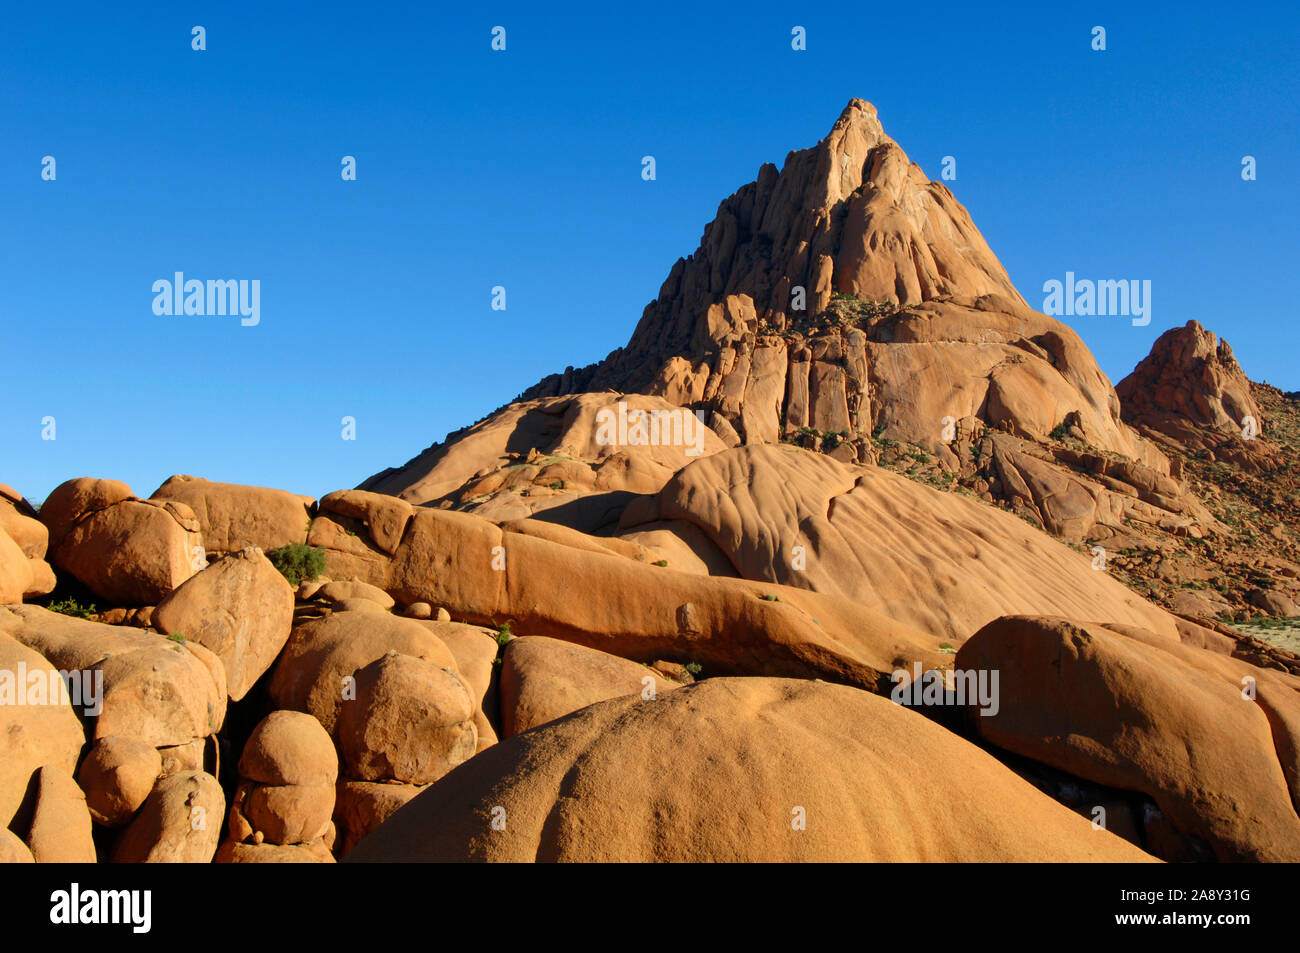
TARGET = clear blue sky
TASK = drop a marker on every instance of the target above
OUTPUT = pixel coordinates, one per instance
(522, 168)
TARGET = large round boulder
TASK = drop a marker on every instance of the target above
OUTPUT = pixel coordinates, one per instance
(287, 775)
(317, 669)
(233, 516)
(180, 822)
(739, 769)
(1211, 739)
(118, 774)
(240, 607)
(412, 721)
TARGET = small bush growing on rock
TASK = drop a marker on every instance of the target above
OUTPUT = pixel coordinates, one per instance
(504, 634)
(298, 561)
(660, 562)
(73, 608)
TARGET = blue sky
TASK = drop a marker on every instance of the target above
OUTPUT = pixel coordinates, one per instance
(478, 168)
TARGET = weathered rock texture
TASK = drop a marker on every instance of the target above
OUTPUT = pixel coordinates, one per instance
(749, 769)
(232, 517)
(161, 692)
(1212, 740)
(124, 549)
(240, 608)
(1190, 383)
(545, 679)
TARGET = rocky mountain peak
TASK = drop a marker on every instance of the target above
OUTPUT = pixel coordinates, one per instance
(1190, 382)
(843, 155)
(851, 215)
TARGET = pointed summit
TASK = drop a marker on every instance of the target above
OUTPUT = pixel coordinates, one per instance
(850, 215)
(1191, 389)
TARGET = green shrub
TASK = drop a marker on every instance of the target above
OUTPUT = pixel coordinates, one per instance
(298, 561)
(695, 668)
(660, 562)
(504, 634)
(73, 608)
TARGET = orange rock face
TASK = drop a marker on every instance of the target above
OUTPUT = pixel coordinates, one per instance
(545, 679)
(232, 517)
(240, 608)
(124, 549)
(60, 831)
(1189, 383)
(286, 792)
(15, 571)
(411, 721)
(31, 735)
(161, 692)
(118, 774)
(21, 532)
(751, 769)
(321, 655)
(1211, 740)
(180, 822)
(939, 562)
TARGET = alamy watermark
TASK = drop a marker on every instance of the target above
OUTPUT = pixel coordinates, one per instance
(220, 297)
(1106, 297)
(38, 687)
(956, 687)
(133, 908)
(677, 427)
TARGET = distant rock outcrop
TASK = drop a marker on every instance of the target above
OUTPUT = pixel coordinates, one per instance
(1190, 388)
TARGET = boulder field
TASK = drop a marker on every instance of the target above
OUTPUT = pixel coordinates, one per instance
(444, 673)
